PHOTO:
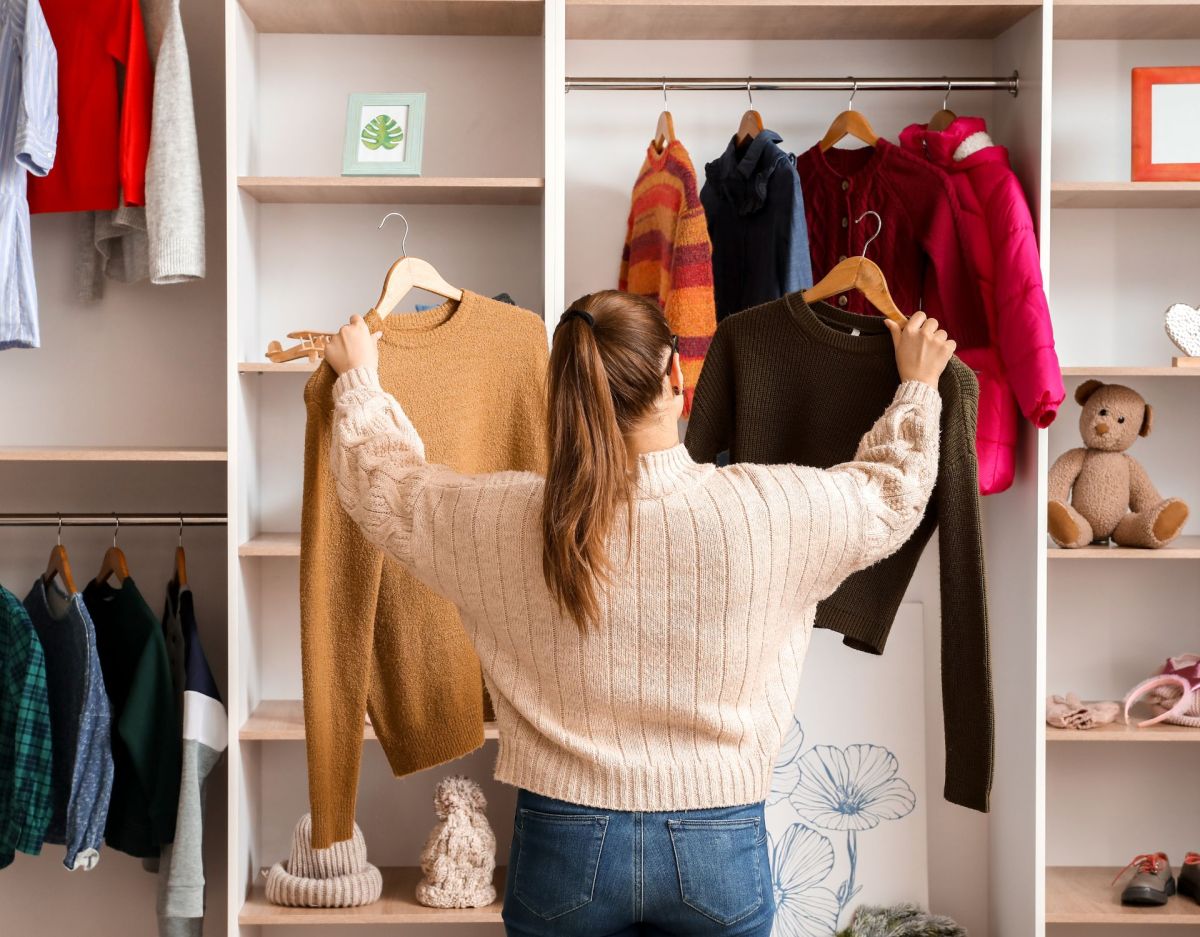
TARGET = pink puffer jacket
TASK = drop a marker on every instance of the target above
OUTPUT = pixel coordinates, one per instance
(1002, 247)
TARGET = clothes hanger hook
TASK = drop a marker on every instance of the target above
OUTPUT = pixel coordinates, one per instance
(60, 529)
(946, 98)
(181, 530)
(853, 92)
(879, 227)
(664, 89)
(748, 94)
(403, 240)
(116, 527)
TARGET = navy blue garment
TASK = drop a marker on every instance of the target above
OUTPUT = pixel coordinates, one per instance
(577, 871)
(756, 223)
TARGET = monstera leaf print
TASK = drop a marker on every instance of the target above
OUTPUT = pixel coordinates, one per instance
(382, 132)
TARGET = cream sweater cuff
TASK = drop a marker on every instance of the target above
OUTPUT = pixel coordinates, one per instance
(920, 394)
(361, 377)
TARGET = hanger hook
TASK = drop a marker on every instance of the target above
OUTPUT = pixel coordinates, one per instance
(748, 94)
(879, 228)
(853, 92)
(403, 240)
(664, 89)
(946, 98)
(181, 529)
(116, 527)
(60, 529)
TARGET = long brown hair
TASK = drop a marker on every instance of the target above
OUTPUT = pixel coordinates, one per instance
(606, 372)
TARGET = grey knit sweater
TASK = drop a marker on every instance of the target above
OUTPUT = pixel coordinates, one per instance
(164, 241)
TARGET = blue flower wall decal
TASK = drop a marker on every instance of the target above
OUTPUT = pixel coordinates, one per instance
(846, 790)
(851, 788)
(801, 860)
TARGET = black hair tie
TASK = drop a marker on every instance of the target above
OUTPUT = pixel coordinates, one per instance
(578, 313)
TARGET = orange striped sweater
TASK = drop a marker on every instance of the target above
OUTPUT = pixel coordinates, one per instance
(668, 257)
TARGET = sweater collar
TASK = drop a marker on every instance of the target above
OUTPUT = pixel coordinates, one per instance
(428, 327)
(666, 471)
(742, 174)
(836, 328)
(859, 164)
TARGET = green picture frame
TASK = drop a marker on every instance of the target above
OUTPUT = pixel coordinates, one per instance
(384, 134)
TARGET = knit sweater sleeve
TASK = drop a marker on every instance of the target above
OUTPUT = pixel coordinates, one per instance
(879, 497)
(402, 503)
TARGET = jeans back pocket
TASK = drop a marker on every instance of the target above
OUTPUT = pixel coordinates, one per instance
(558, 859)
(718, 863)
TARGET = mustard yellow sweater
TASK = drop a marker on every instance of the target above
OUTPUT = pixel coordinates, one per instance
(471, 376)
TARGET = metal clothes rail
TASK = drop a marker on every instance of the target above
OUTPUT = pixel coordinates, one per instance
(109, 520)
(664, 83)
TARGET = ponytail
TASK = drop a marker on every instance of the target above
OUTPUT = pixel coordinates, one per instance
(605, 373)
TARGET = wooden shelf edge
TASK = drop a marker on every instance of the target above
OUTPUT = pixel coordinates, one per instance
(108, 454)
(1129, 371)
(397, 905)
(1085, 895)
(1186, 547)
(271, 367)
(1118, 732)
(283, 721)
(341, 190)
(1103, 194)
(1126, 19)
(271, 544)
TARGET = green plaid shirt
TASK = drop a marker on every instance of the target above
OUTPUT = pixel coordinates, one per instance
(25, 803)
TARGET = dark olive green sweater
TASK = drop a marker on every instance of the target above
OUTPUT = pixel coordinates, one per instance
(786, 382)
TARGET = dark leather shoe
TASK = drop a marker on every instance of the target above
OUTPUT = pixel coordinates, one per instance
(1152, 882)
(1189, 877)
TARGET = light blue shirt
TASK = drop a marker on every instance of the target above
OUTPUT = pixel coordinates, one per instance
(28, 137)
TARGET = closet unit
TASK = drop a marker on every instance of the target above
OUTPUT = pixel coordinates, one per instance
(1120, 253)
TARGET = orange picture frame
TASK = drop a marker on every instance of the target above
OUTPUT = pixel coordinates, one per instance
(1142, 166)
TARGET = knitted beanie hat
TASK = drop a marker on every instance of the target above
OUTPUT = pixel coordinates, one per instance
(337, 877)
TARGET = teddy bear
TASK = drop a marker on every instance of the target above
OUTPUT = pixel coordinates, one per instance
(1102, 493)
(459, 858)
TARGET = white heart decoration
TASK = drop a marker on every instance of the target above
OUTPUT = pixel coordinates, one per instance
(1183, 328)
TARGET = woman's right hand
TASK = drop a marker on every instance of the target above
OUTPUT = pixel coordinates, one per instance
(922, 349)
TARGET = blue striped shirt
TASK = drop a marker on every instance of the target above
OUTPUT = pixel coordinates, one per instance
(28, 135)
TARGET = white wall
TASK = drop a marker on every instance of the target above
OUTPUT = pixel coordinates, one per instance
(144, 366)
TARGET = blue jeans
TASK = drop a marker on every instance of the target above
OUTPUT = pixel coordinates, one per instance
(578, 871)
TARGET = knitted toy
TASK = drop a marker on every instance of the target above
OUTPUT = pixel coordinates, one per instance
(1111, 496)
(902, 920)
(460, 854)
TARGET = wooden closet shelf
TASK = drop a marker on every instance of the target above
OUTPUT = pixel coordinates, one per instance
(271, 544)
(108, 454)
(398, 17)
(393, 190)
(1130, 371)
(1120, 732)
(303, 366)
(396, 905)
(794, 19)
(1125, 194)
(1184, 548)
(282, 720)
(1084, 895)
(1126, 19)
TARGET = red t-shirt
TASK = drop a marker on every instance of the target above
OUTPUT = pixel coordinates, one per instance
(105, 86)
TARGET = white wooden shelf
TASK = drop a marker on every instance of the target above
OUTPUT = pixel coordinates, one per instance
(1126, 19)
(1184, 548)
(1131, 371)
(303, 366)
(271, 544)
(397, 905)
(793, 19)
(1085, 895)
(393, 190)
(398, 17)
(282, 720)
(108, 454)
(1125, 194)
(1120, 732)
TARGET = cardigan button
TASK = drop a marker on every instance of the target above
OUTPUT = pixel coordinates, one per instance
(845, 222)
(841, 257)
(845, 185)
(842, 300)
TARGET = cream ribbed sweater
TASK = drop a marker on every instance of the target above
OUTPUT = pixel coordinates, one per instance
(680, 698)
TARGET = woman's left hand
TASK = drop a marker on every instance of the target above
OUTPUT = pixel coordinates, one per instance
(354, 346)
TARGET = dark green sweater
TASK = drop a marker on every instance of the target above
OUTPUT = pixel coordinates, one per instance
(789, 383)
(145, 719)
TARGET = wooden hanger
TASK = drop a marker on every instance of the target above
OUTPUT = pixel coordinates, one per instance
(849, 123)
(859, 273)
(409, 273)
(751, 124)
(945, 117)
(664, 131)
(113, 562)
(180, 579)
(59, 565)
